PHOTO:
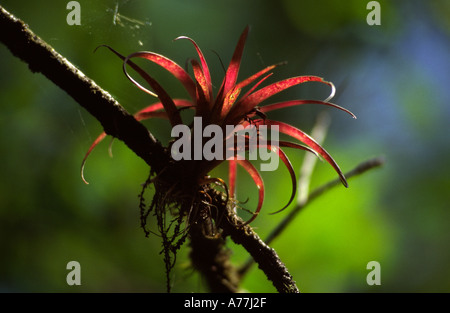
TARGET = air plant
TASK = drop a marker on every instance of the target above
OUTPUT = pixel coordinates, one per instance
(183, 191)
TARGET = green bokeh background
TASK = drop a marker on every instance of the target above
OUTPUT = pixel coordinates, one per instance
(394, 77)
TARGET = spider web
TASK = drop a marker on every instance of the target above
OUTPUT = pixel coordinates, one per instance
(118, 20)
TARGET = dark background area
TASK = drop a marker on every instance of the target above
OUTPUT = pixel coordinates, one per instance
(394, 77)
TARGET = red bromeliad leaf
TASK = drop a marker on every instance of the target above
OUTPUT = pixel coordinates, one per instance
(294, 145)
(159, 106)
(285, 104)
(232, 169)
(254, 87)
(252, 78)
(229, 81)
(233, 68)
(146, 113)
(95, 143)
(258, 182)
(208, 85)
(284, 158)
(243, 106)
(169, 105)
(202, 90)
(306, 139)
(132, 64)
(288, 165)
(232, 95)
(231, 98)
(169, 65)
(177, 71)
(151, 110)
(228, 102)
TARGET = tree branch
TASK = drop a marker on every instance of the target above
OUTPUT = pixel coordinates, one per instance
(266, 257)
(358, 170)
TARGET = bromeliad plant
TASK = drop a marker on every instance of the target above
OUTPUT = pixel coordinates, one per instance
(182, 188)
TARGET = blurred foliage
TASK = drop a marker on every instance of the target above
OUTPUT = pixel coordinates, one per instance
(393, 77)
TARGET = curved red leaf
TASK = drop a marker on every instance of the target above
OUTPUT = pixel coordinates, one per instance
(305, 138)
(130, 63)
(227, 104)
(289, 167)
(252, 78)
(285, 104)
(232, 170)
(177, 71)
(94, 144)
(233, 68)
(231, 74)
(146, 113)
(208, 85)
(150, 111)
(294, 145)
(247, 104)
(284, 158)
(169, 105)
(203, 97)
(259, 184)
(234, 93)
